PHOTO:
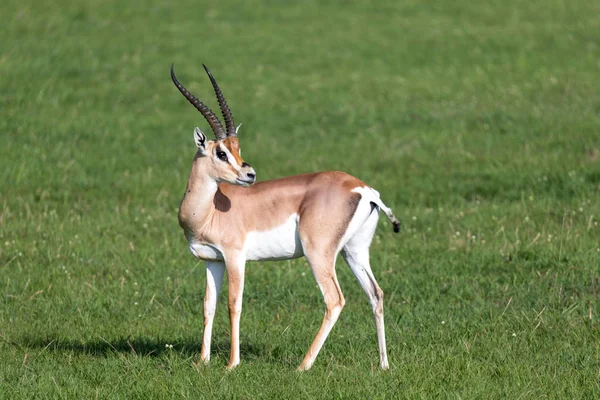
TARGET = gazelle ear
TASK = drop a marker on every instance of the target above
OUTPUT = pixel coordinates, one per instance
(200, 139)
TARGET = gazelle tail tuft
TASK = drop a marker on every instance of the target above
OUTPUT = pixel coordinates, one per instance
(388, 212)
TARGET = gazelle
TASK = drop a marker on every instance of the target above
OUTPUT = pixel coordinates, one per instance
(228, 220)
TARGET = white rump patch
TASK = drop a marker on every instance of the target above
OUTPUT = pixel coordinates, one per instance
(280, 243)
(363, 212)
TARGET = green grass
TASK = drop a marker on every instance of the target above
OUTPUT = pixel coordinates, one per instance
(478, 123)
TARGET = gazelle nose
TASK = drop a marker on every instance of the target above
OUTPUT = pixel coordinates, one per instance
(251, 174)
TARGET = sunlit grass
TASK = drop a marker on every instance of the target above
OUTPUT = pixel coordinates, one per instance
(478, 123)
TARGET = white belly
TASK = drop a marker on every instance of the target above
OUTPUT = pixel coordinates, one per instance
(280, 243)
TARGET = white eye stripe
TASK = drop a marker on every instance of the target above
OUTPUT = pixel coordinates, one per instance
(230, 158)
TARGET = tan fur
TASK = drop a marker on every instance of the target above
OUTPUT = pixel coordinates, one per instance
(233, 146)
(224, 219)
(222, 215)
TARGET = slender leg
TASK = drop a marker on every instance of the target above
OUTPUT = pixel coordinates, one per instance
(235, 279)
(214, 279)
(324, 270)
(356, 255)
(358, 261)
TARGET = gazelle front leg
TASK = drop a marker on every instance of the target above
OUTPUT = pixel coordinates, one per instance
(235, 279)
(214, 279)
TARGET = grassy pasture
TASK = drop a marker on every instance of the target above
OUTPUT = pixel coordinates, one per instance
(479, 123)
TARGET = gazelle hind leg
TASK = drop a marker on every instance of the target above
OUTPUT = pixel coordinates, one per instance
(356, 255)
(323, 268)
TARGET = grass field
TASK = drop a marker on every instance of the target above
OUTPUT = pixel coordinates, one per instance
(478, 123)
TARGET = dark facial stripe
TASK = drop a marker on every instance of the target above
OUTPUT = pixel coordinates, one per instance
(231, 143)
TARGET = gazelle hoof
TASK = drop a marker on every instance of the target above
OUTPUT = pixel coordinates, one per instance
(303, 367)
(231, 366)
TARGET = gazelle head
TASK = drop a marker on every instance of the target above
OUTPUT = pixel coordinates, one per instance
(223, 153)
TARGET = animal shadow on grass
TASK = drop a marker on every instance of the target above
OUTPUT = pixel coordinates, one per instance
(142, 347)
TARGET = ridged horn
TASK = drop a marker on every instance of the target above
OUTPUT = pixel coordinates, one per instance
(210, 116)
(229, 124)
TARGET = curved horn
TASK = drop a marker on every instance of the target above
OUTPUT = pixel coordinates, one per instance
(229, 125)
(210, 116)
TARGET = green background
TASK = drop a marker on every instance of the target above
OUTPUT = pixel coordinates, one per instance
(477, 122)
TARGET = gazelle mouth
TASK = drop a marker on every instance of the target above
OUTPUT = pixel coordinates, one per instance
(244, 183)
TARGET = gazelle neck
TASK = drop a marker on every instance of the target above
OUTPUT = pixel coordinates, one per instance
(197, 206)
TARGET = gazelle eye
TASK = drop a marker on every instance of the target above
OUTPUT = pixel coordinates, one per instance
(222, 156)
